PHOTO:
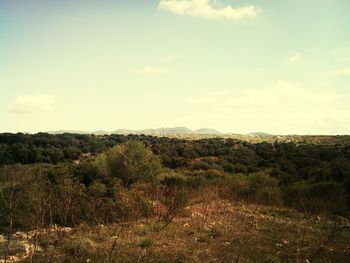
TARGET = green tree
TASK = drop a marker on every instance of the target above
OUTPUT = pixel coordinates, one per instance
(130, 162)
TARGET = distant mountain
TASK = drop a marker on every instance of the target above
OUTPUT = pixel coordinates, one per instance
(101, 132)
(159, 131)
(175, 130)
(125, 131)
(68, 131)
(206, 131)
(260, 134)
(167, 131)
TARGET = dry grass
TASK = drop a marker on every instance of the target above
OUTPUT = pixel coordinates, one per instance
(209, 230)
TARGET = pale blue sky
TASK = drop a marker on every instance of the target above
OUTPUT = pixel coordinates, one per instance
(237, 66)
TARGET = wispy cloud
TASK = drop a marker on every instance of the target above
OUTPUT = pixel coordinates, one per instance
(294, 57)
(208, 9)
(26, 104)
(149, 70)
(275, 109)
(339, 72)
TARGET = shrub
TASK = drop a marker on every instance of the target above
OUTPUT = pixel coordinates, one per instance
(258, 187)
(174, 195)
(130, 161)
(329, 197)
(263, 188)
(98, 189)
(174, 180)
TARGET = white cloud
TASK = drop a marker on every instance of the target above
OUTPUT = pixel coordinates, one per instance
(26, 104)
(294, 57)
(151, 71)
(340, 72)
(285, 108)
(205, 9)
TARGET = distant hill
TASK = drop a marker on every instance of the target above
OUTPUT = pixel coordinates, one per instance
(207, 131)
(167, 131)
(260, 134)
(124, 131)
(101, 132)
(175, 130)
(68, 131)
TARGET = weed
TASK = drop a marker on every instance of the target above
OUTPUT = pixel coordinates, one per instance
(144, 243)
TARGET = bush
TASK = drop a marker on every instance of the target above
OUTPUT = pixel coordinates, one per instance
(258, 187)
(174, 180)
(98, 189)
(174, 195)
(324, 197)
(130, 161)
(263, 188)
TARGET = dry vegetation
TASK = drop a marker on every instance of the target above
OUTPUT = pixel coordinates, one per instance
(209, 229)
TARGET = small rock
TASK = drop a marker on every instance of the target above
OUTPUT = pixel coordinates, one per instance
(2, 239)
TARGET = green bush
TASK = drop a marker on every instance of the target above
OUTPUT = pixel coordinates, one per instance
(174, 180)
(264, 188)
(130, 161)
(258, 187)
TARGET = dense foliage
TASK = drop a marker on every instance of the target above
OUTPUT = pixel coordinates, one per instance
(71, 178)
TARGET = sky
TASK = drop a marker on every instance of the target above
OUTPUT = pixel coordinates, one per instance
(281, 67)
